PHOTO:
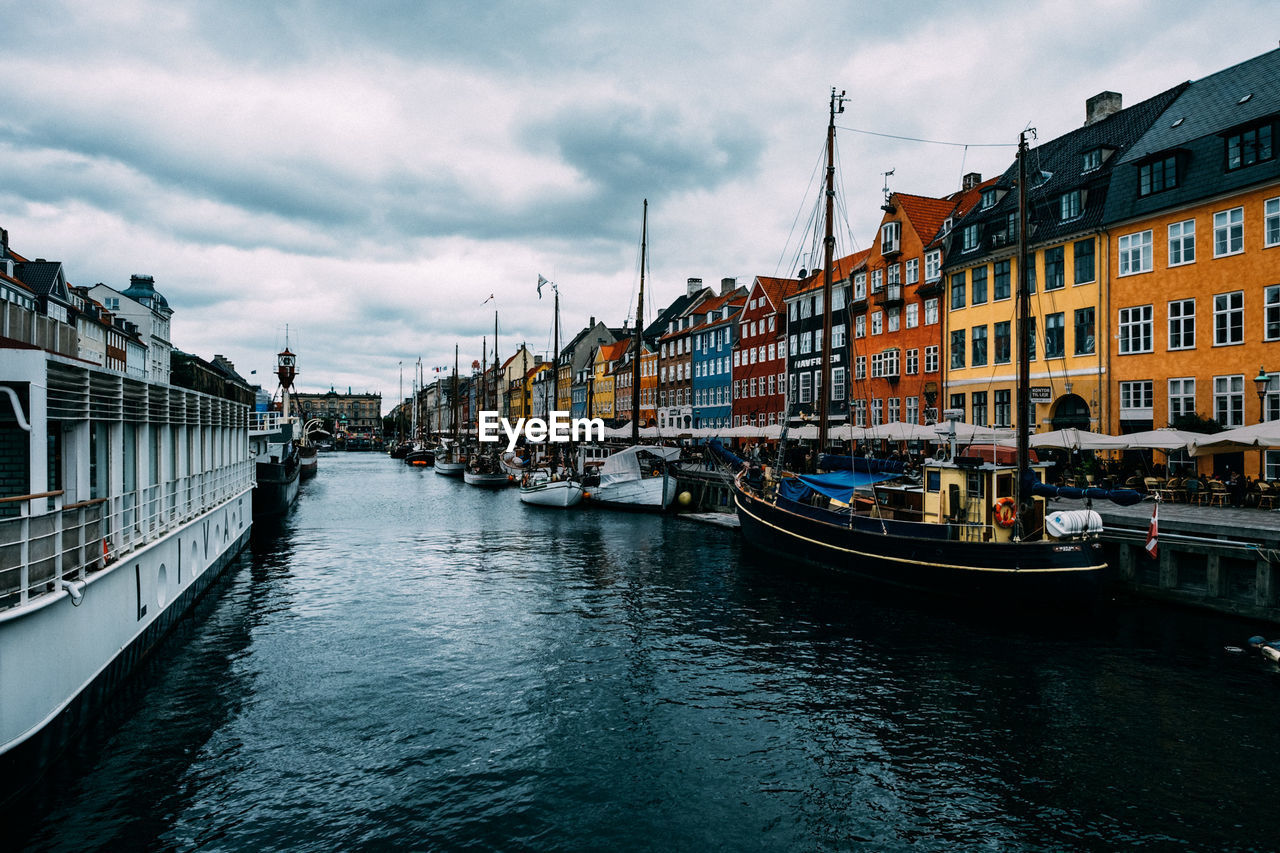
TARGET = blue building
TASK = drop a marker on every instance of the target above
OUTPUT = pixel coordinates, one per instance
(712, 359)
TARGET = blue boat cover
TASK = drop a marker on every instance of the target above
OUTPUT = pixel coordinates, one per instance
(838, 485)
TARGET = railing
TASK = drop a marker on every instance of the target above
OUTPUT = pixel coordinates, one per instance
(37, 550)
(265, 421)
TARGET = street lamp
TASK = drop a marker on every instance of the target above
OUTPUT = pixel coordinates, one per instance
(1260, 382)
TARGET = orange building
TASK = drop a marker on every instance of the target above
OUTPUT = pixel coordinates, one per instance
(1194, 256)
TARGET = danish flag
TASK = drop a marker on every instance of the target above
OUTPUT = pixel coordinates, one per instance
(1153, 530)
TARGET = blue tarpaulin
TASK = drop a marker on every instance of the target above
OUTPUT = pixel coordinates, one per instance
(838, 485)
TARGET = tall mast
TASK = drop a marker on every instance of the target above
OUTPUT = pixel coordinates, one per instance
(1022, 343)
(400, 420)
(482, 397)
(555, 365)
(526, 399)
(454, 414)
(828, 254)
(497, 399)
(639, 342)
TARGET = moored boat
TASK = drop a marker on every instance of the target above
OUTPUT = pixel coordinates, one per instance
(274, 446)
(540, 488)
(97, 559)
(970, 527)
(638, 477)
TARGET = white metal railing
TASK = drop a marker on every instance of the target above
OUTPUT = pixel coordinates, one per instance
(37, 550)
(265, 421)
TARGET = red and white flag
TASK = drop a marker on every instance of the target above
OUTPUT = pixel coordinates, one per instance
(1153, 530)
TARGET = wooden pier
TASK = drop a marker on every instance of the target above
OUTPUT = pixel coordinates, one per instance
(1221, 558)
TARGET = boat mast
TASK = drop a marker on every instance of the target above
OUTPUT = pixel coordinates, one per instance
(639, 342)
(482, 397)
(555, 365)
(1024, 356)
(497, 400)
(828, 255)
(454, 414)
(400, 420)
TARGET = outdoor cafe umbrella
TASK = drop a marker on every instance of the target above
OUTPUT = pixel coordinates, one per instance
(1077, 439)
(1252, 437)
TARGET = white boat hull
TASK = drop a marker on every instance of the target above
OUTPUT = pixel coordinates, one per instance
(650, 493)
(450, 469)
(562, 494)
(488, 481)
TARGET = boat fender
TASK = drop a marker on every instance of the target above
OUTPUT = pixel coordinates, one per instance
(106, 558)
(1005, 511)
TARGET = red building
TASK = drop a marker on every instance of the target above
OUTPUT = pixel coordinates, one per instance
(760, 354)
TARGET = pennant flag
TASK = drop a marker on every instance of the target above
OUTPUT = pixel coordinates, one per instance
(541, 281)
(487, 300)
(1153, 530)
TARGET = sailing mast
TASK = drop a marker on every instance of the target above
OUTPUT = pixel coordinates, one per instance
(555, 372)
(1024, 356)
(454, 414)
(497, 400)
(639, 342)
(828, 254)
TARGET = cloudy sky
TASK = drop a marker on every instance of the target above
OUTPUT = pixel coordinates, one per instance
(369, 173)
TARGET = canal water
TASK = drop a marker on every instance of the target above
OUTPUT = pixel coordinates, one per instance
(409, 662)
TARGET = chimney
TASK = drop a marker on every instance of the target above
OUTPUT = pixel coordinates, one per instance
(592, 324)
(1100, 106)
(728, 285)
(692, 286)
(970, 181)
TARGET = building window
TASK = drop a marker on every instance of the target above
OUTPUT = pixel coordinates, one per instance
(1055, 266)
(1000, 288)
(860, 326)
(1249, 147)
(1031, 338)
(806, 387)
(1092, 160)
(1228, 400)
(913, 315)
(1002, 343)
(893, 319)
(1228, 232)
(913, 271)
(876, 410)
(837, 299)
(1003, 409)
(1055, 335)
(1182, 324)
(931, 359)
(877, 281)
(838, 336)
(913, 410)
(931, 312)
(1182, 398)
(971, 237)
(806, 343)
(979, 286)
(1182, 243)
(988, 198)
(806, 309)
(1085, 335)
(895, 273)
(1084, 261)
(957, 349)
(895, 409)
(957, 290)
(860, 286)
(1136, 399)
(978, 345)
(933, 265)
(837, 383)
(1271, 313)
(1158, 175)
(860, 412)
(913, 362)
(890, 237)
(877, 322)
(1228, 318)
(978, 407)
(957, 403)
(793, 347)
(1135, 253)
(1271, 228)
(1069, 205)
(860, 368)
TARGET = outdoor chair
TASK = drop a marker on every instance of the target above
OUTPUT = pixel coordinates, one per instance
(1266, 495)
(1218, 496)
(1194, 493)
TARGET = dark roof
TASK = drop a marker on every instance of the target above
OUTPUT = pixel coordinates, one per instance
(41, 276)
(1056, 168)
(677, 308)
(1202, 113)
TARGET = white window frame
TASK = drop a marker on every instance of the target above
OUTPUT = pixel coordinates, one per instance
(1182, 397)
(1228, 305)
(931, 311)
(913, 271)
(931, 357)
(1271, 222)
(1134, 252)
(1182, 243)
(1271, 313)
(1228, 400)
(933, 265)
(1228, 232)
(1135, 324)
(1182, 324)
(913, 315)
(1137, 400)
(913, 362)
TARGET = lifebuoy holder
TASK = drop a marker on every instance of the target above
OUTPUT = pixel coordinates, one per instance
(1005, 511)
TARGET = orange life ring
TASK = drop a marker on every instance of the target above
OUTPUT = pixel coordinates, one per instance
(1006, 511)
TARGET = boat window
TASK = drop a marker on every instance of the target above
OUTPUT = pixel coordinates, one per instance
(974, 484)
(932, 480)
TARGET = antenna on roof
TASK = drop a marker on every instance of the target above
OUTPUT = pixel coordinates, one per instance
(887, 175)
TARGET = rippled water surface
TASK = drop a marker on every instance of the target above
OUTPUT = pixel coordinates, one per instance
(412, 662)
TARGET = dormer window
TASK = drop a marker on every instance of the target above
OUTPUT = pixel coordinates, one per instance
(946, 225)
(1070, 204)
(971, 237)
(1249, 146)
(1092, 160)
(890, 237)
(1158, 175)
(989, 198)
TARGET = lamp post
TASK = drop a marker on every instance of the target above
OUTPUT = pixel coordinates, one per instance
(1260, 382)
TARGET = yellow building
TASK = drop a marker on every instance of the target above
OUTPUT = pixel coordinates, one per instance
(1067, 181)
